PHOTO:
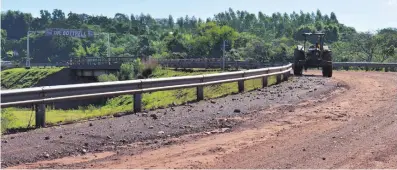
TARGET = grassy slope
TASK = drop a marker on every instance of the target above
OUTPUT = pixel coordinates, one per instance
(125, 102)
(22, 78)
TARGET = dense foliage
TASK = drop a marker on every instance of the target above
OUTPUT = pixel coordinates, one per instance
(246, 35)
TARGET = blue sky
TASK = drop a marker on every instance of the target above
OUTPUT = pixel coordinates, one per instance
(364, 15)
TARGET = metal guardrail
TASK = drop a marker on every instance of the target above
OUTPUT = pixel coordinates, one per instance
(365, 65)
(40, 96)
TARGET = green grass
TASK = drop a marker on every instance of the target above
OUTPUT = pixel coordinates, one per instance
(23, 78)
(125, 102)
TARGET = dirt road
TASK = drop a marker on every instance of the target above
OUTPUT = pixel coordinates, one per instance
(351, 127)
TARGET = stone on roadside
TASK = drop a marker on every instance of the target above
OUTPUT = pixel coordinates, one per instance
(154, 116)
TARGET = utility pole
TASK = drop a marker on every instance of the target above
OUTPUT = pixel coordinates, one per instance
(28, 49)
(223, 54)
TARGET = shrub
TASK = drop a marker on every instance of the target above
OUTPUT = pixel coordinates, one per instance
(107, 77)
(126, 71)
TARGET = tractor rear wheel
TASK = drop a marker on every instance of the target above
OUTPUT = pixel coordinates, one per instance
(298, 55)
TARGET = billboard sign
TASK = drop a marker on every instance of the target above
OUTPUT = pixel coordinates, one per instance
(78, 33)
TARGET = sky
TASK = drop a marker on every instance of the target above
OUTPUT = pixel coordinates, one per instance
(364, 15)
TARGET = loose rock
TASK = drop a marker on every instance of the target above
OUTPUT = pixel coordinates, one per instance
(212, 101)
(224, 129)
(161, 132)
(117, 115)
(154, 116)
(237, 110)
(151, 127)
(46, 155)
(47, 138)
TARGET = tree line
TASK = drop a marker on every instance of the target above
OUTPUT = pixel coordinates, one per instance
(247, 36)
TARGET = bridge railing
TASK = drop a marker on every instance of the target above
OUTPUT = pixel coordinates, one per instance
(213, 63)
(40, 96)
(100, 60)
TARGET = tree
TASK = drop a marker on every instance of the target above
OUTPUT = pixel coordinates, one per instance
(171, 22)
(333, 18)
(365, 45)
(3, 41)
(248, 36)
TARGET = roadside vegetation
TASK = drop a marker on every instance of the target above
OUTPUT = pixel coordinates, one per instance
(16, 78)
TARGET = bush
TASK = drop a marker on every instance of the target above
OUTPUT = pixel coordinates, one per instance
(138, 66)
(126, 71)
(107, 77)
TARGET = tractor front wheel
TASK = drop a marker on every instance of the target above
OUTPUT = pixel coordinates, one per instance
(298, 56)
(327, 71)
(298, 70)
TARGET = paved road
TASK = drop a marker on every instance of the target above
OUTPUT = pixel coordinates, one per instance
(350, 126)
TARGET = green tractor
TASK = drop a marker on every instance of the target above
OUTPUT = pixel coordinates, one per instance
(316, 56)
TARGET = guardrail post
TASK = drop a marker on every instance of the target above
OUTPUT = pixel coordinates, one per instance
(386, 69)
(200, 93)
(137, 102)
(278, 78)
(264, 81)
(240, 85)
(40, 115)
(285, 76)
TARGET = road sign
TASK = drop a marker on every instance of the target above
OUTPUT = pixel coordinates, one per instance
(78, 33)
